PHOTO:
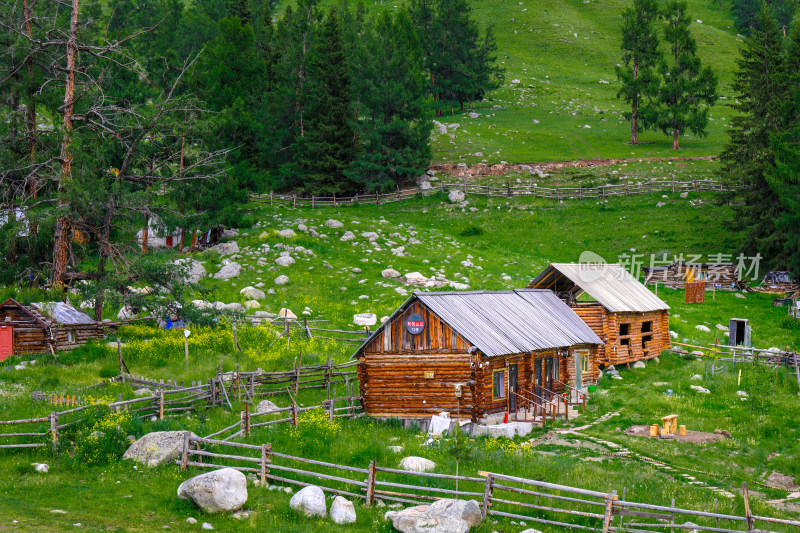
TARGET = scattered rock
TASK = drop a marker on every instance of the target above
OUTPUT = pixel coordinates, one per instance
(416, 464)
(395, 449)
(222, 490)
(231, 270)
(265, 406)
(741, 393)
(206, 525)
(157, 448)
(282, 280)
(144, 391)
(42, 468)
(781, 481)
(310, 501)
(739, 295)
(342, 511)
(365, 319)
(442, 516)
(701, 327)
(639, 364)
(285, 260)
(685, 194)
(700, 389)
(252, 304)
(331, 223)
(253, 293)
(191, 520)
(696, 377)
(225, 248)
(287, 313)
(456, 196)
(193, 271)
(390, 273)
(287, 233)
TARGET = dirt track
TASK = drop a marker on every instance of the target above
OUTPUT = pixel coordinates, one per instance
(483, 169)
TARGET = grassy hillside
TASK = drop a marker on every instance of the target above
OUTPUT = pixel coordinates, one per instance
(563, 53)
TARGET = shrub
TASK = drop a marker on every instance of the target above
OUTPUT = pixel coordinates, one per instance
(103, 437)
(472, 231)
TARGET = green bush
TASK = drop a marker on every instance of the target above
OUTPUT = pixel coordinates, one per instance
(471, 231)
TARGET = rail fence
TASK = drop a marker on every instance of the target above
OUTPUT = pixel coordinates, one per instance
(498, 495)
(493, 191)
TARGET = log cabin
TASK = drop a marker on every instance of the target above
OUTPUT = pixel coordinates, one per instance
(632, 322)
(44, 327)
(476, 355)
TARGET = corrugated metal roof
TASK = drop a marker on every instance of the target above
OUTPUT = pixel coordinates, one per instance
(63, 313)
(506, 322)
(611, 285)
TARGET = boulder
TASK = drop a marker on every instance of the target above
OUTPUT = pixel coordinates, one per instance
(42, 468)
(701, 327)
(126, 313)
(222, 490)
(700, 389)
(442, 516)
(231, 270)
(235, 307)
(281, 280)
(365, 319)
(285, 260)
(225, 248)
(287, 233)
(157, 448)
(639, 364)
(202, 304)
(456, 196)
(348, 236)
(390, 273)
(530, 530)
(253, 293)
(252, 304)
(144, 391)
(287, 313)
(331, 223)
(342, 511)
(310, 501)
(696, 377)
(459, 286)
(265, 406)
(192, 271)
(416, 464)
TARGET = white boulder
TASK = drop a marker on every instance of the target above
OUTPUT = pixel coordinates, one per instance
(265, 406)
(282, 280)
(225, 248)
(253, 293)
(348, 236)
(42, 468)
(442, 516)
(192, 271)
(639, 364)
(157, 448)
(231, 270)
(365, 319)
(413, 463)
(331, 223)
(390, 273)
(342, 511)
(287, 233)
(222, 490)
(701, 327)
(285, 260)
(287, 313)
(310, 501)
(456, 196)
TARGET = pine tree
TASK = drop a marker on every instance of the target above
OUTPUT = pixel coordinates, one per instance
(239, 9)
(327, 149)
(747, 157)
(640, 56)
(688, 88)
(745, 14)
(784, 179)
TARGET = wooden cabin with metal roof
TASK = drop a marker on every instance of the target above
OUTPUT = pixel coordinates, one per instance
(476, 355)
(632, 321)
(44, 327)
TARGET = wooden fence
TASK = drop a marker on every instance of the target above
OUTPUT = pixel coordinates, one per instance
(493, 191)
(499, 495)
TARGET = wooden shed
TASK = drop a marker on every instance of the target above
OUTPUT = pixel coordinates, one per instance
(44, 327)
(723, 276)
(473, 354)
(632, 321)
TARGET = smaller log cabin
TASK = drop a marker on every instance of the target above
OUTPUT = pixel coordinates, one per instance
(723, 276)
(632, 321)
(476, 355)
(44, 327)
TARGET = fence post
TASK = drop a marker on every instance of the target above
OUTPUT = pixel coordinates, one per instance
(371, 484)
(487, 495)
(119, 357)
(265, 449)
(246, 419)
(54, 427)
(672, 516)
(161, 404)
(294, 413)
(185, 455)
(747, 512)
(612, 497)
(297, 377)
(331, 403)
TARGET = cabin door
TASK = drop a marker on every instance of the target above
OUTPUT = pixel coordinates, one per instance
(578, 361)
(548, 377)
(537, 381)
(513, 371)
(6, 342)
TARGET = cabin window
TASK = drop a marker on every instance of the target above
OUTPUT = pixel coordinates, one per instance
(71, 337)
(624, 331)
(584, 362)
(556, 366)
(647, 327)
(646, 339)
(499, 384)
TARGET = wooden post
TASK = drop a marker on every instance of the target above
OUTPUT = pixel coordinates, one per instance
(54, 427)
(609, 511)
(185, 455)
(265, 449)
(186, 350)
(161, 404)
(672, 516)
(236, 347)
(246, 419)
(331, 403)
(370, 499)
(624, 490)
(748, 514)
(294, 413)
(716, 510)
(797, 372)
(297, 376)
(312, 201)
(487, 495)
(119, 357)
(238, 385)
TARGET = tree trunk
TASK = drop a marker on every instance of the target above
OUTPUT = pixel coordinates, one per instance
(635, 107)
(32, 184)
(145, 231)
(62, 238)
(105, 235)
(675, 138)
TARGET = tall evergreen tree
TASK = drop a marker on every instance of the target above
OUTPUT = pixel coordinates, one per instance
(640, 56)
(239, 9)
(747, 157)
(688, 88)
(327, 148)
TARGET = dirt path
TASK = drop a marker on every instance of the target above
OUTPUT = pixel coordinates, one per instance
(483, 169)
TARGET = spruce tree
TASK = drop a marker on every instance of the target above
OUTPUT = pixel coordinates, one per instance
(688, 88)
(640, 56)
(747, 157)
(239, 9)
(327, 149)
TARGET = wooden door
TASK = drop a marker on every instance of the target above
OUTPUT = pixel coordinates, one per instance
(6, 342)
(513, 372)
(537, 380)
(548, 377)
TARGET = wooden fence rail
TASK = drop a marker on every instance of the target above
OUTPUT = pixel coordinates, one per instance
(557, 193)
(499, 495)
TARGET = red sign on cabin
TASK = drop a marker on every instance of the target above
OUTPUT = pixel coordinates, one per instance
(415, 324)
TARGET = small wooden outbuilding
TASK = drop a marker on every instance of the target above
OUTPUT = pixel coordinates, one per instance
(44, 327)
(473, 354)
(722, 276)
(632, 321)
